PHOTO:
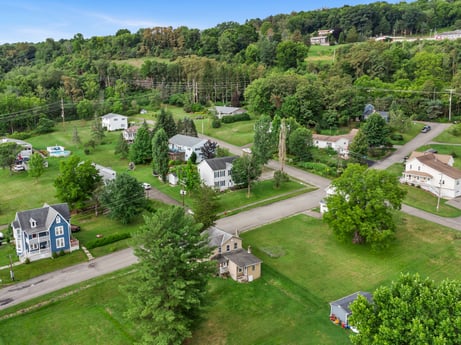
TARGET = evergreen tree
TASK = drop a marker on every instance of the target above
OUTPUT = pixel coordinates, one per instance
(76, 138)
(170, 283)
(141, 149)
(124, 198)
(122, 149)
(165, 120)
(97, 131)
(186, 126)
(160, 157)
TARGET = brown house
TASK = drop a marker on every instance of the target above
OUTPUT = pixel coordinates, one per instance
(232, 260)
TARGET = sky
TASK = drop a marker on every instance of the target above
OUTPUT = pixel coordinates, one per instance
(36, 20)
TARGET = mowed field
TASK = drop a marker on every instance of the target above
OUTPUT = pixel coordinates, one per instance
(304, 268)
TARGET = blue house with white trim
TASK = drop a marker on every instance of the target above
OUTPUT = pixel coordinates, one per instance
(40, 232)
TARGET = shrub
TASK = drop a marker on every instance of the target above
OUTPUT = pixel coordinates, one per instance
(397, 137)
(27, 261)
(236, 118)
(216, 123)
(99, 242)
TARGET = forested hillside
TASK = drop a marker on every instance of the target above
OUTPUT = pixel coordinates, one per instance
(263, 64)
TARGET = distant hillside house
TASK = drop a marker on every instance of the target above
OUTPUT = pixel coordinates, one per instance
(40, 232)
(187, 144)
(228, 111)
(370, 110)
(129, 134)
(434, 173)
(322, 37)
(339, 143)
(217, 172)
(232, 260)
(114, 122)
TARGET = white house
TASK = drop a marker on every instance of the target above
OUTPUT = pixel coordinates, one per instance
(114, 122)
(40, 232)
(434, 173)
(26, 148)
(187, 144)
(217, 172)
(339, 143)
(228, 111)
(323, 203)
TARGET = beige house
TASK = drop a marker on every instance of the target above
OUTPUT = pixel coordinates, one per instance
(339, 143)
(232, 260)
(434, 173)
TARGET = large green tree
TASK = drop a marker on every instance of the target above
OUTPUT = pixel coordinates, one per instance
(300, 144)
(358, 149)
(376, 130)
(165, 120)
(36, 165)
(206, 206)
(361, 207)
(160, 157)
(263, 143)
(141, 149)
(8, 153)
(170, 283)
(246, 170)
(122, 148)
(76, 181)
(411, 310)
(124, 198)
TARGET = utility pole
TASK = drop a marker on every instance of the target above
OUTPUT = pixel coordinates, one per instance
(11, 268)
(449, 109)
(440, 192)
(62, 111)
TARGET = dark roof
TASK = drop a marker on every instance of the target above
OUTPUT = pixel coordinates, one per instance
(345, 302)
(220, 162)
(217, 237)
(242, 258)
(431, 161)
(43, 216)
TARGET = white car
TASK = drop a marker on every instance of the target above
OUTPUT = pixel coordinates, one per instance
(19, 167)
(146, 186)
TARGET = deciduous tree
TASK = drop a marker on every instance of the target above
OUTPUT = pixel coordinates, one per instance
(124, 198)
(300, 144)
(263, 143)
(8, 153)
(169, 287)
(76, 181)
(36, 165)
(376, 130)
(246, 170)
(122, 149)
(160, 154)
(361, 207)
(209, 149)
(411, 310)
(206, 206)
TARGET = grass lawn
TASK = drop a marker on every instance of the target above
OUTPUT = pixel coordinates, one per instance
(448, 138)
(304, 268)
(238, 133)
(414, 130)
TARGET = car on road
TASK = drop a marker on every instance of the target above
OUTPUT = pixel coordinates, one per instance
(146, 186)
(19, 167)
(426, 129)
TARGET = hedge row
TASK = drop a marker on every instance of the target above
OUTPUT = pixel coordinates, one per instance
(235, 118)
(107, 240)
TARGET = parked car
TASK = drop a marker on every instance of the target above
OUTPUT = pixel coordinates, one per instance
(19, 167)
(74, 228)
(146, 186)
(426, 129)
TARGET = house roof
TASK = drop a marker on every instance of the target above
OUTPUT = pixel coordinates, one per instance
(335, 138)
(43, 217)
(345, 302)
(112, 115)
(107, 174)
(443, 158)
(185, 140)
(132, 129)
(241, 257)
(228, 110)
(217, 237)
(431, 160)
(219, 163)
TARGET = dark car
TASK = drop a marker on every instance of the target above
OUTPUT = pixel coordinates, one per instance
(74, 228)
(426, 129)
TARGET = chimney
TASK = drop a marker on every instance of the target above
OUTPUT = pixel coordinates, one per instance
(249, 249)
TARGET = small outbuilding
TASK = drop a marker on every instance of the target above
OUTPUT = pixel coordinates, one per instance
(340, 309)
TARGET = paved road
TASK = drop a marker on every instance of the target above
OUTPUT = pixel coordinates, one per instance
(241, 222)
(57, 280)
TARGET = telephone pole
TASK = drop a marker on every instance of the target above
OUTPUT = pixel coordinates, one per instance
(449, 108)
(62, 111)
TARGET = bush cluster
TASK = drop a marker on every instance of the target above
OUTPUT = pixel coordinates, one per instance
(235, 118)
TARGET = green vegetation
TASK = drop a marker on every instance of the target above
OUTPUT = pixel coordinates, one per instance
(304, 268)
(237, 133)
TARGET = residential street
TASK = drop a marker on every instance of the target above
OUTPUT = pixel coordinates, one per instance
(241, 222)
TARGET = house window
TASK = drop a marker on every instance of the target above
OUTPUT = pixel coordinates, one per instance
(222, 183)
(216, 174)
(240, 269)
(58, 220)
(219, 249)
(60, 243)
(229, 172)
(34, 246)
(59, 231)
(253, 267)
(227, 248)
(235, 245)
(222, 173)
(33, 223)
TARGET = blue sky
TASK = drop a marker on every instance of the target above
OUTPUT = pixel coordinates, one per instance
(36, 20)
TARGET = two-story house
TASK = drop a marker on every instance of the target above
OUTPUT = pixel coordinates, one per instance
(217, 172)
(232, 260)
(434, 173)
(186, 144)
(40, 232)
(114, 122)
(129, 134)
(339, 143)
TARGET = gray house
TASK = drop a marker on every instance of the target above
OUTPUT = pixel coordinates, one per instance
(340, 309)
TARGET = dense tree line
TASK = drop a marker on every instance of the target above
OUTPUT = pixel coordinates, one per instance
(259, 64)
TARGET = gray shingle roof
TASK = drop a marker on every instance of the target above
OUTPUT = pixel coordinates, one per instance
(345, 302)
(217, 237)
(43, 216)
(185, 140)
(112, 115)
(432, 161)
(220, 162)
(242, 258)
